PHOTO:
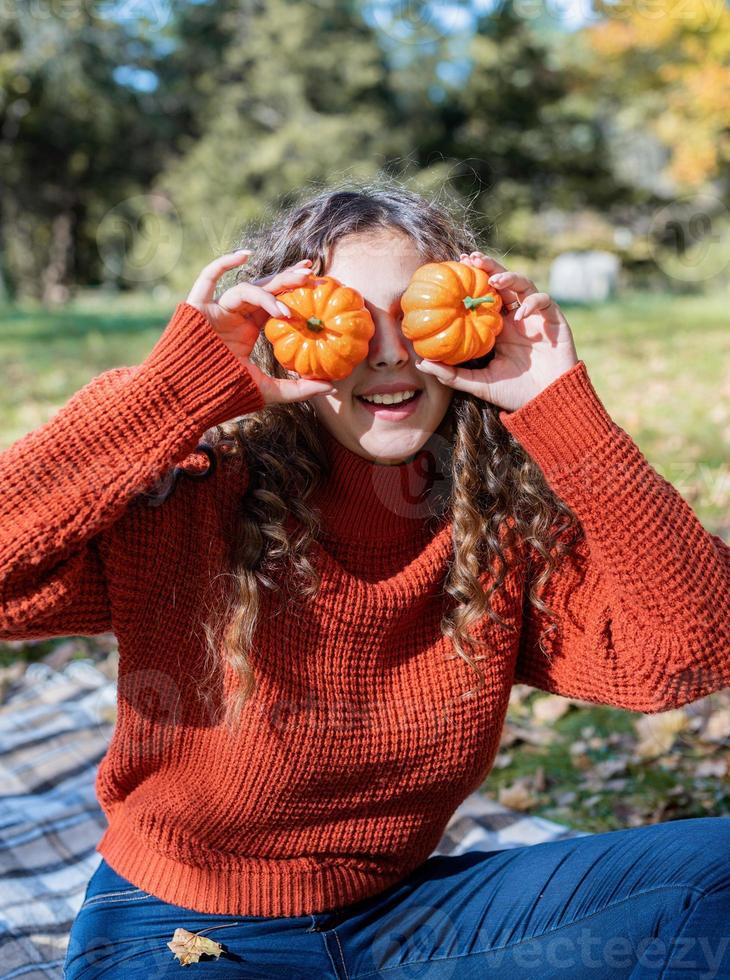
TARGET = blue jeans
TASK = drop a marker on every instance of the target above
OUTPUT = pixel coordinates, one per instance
(650, 901)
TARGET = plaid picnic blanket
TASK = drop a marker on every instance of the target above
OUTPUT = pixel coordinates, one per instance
(55, 726)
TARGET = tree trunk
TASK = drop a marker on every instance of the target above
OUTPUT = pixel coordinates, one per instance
(55, 288)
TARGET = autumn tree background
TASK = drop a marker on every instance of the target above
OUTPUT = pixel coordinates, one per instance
(137, 137)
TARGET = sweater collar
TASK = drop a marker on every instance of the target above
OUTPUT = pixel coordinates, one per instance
(375, 501)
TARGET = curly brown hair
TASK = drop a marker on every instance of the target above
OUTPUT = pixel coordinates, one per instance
(498, 498)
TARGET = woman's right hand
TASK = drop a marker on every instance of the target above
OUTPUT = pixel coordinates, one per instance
(240, 313)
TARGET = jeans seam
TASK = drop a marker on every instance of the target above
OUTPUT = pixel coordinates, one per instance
(548, 932)
(342, 954)
(331, 959)
(117, 891)
(99, 899)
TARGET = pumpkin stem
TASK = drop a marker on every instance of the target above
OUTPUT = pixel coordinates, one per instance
(470, 302)
(314, 323)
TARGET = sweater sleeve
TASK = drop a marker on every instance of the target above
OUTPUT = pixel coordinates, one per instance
(65, 483)
(643, 607)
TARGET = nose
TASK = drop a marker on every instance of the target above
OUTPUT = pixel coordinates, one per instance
(388, 347)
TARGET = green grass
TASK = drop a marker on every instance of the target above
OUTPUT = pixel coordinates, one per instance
(9, 653)
(566, 785)
(47, 355)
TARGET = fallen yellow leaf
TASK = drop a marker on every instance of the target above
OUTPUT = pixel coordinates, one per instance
(188, 947)
(658, 731)
(518, 795)
(549, 708)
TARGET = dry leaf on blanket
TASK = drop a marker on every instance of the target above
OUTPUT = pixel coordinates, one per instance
(188, 947)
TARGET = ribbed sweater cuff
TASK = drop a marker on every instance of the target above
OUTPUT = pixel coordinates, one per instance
(209, 381)
(561, 426)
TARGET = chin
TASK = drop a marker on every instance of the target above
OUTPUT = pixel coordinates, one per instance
(395, 450)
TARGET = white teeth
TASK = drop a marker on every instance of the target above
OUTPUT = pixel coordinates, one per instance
(392, 399)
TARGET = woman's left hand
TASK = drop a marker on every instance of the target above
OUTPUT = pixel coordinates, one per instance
(534, 347)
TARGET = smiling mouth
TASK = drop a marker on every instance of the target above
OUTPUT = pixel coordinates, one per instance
(393, 411)
(403, 401)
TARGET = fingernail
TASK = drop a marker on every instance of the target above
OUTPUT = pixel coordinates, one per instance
(284, 309)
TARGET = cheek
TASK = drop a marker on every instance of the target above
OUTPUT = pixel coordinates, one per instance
(438, 393)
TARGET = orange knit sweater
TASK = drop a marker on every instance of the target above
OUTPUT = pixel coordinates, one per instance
(356, 748)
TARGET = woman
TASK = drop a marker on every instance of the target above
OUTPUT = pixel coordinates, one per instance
(318, 633)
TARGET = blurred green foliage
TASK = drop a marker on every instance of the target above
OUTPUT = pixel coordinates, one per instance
(138, 140)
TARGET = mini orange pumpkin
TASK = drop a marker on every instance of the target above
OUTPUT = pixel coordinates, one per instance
(452, 314)
(328, 333)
